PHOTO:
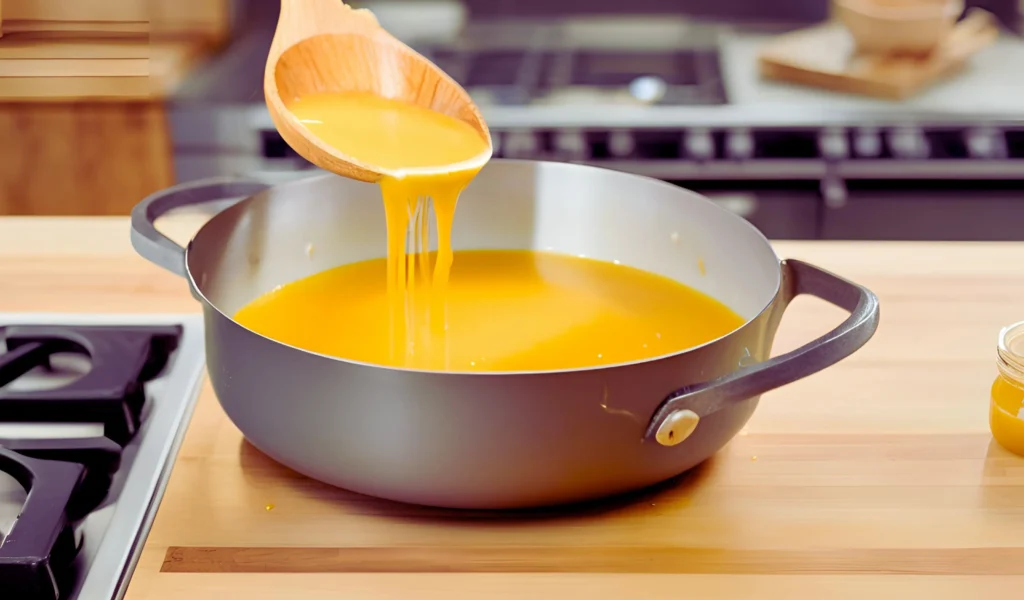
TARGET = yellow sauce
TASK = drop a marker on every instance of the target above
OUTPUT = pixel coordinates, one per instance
(507, 310)
(431, 156)
(1006, 407)
(1006, 414)
(485, 311)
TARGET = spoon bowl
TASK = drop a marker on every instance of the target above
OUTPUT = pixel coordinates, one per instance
(324, 46)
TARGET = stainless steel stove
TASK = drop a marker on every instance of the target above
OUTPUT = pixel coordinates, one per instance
(92, 413)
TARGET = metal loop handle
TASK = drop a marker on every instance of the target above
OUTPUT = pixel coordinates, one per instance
(688, 405)
(161, 250)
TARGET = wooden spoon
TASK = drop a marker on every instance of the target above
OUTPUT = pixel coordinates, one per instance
(327, 46)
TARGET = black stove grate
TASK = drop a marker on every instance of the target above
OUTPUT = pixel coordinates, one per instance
(100, 457)
(68, 478)
(518, 76)
(36, 555)
(123, 359)
(619, 69)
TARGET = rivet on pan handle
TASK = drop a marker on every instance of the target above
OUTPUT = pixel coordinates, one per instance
(676, 417)
(162, 250)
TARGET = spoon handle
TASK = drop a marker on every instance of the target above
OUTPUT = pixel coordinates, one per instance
(303, 19)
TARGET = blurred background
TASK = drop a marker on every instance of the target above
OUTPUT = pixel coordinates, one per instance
(762, 105)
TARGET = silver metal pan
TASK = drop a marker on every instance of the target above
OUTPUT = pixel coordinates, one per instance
(495, 440)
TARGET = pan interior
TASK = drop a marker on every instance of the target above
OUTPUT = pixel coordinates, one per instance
(301, 228)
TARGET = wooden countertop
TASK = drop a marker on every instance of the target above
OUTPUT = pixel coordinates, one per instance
(874, 479)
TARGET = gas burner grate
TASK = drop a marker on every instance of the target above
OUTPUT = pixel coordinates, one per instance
(689, 76)
(111, 393)
(619, 69)
(36, 554)
(519, 76)
(509, 76)
(67, 478)
(100, 457)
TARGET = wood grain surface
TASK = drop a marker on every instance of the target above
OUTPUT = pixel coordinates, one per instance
(876, 478)
(208, 19)
(82, 158)
(597, 559)
(825, 56)
(83, 121)
(51, 67)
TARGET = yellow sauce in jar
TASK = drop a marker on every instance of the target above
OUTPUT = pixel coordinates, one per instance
(1006, 409)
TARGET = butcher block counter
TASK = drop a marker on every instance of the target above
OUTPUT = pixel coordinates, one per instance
(876, 478)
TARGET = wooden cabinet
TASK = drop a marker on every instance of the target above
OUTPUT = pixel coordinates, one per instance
(82, 158)
(83, 129)
(177, 18)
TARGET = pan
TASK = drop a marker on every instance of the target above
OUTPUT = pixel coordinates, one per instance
(504, 439)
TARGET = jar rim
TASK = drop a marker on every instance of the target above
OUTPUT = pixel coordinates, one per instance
(1010, 349)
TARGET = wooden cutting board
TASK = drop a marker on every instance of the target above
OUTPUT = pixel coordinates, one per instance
(825, 56)
(876, 478)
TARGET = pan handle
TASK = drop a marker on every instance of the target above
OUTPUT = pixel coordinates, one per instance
(161, 250)
(677, 417)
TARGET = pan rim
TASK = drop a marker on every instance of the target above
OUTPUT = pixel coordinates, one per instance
(240, 206)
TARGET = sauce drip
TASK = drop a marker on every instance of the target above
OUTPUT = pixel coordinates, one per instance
(508, 310)
(432, 157)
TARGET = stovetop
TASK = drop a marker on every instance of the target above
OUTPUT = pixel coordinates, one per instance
(92, 412)
(641, 77)
(640, 61)
(643, 61)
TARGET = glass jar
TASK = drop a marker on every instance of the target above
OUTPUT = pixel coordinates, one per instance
(1006, 410)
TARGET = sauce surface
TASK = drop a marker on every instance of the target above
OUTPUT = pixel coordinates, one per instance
(386, 133)
(432, 158)
(511, 310)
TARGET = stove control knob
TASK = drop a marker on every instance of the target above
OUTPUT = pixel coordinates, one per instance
(621, 143)
(571, 145)
(867, 143)
(699, 144)
(834, 192)
(740, 144)
(985, 143)
(833, 145)
(520, 144)
(908, 142)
